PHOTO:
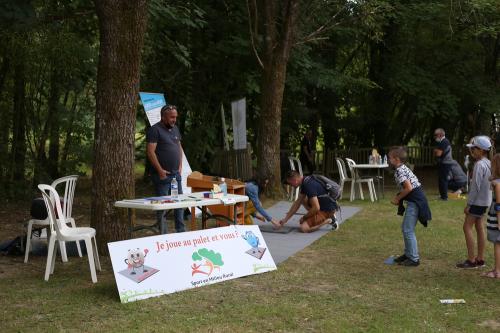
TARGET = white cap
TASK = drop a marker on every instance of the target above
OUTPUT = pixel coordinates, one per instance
(481, 141)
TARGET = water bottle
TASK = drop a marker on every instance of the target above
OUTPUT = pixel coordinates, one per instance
(174, 188)
(385, 159)
(223, 186)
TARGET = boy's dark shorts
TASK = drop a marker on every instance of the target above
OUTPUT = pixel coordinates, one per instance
(477, 211)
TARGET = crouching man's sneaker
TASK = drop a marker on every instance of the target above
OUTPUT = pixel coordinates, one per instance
(333, 223)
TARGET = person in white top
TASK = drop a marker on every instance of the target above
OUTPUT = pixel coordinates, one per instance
(477, 203)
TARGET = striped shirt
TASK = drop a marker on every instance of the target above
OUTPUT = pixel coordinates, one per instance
(492, 221)
(402, 174)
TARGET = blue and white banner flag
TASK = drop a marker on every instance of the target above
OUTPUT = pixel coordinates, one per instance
(152, 103)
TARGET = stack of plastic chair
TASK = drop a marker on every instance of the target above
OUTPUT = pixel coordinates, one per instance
(59, 231)
(342, 175)
(69, 183)
(297, 166)
(357, 179)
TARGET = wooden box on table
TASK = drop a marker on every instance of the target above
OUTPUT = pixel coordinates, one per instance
(203, 183)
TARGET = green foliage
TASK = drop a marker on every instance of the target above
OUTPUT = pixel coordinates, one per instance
(379, 72)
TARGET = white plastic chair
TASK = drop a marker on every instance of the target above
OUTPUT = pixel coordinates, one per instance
(297, 166)
(343, 175)
(359, 180)
(69, 183)
(59, 231)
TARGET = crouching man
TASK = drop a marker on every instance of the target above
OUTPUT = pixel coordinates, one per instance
(315, 199)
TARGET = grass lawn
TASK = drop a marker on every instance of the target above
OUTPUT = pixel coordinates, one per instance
(338, 284)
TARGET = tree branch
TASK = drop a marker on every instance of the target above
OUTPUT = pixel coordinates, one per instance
(254, 30)
(325, 27)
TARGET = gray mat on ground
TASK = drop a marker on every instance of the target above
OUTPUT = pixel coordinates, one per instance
(269, 228)
(284, 245)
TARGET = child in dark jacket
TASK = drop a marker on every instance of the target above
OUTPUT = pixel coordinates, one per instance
(417, 207)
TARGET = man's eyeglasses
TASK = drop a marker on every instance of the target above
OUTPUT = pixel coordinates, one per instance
(169, 107)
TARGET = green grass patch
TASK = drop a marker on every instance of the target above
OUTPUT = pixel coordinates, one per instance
(338, 284)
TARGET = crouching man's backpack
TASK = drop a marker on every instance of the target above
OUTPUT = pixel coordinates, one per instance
(332, 187)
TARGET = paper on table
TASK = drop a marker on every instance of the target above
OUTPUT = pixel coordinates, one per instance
(228, 201)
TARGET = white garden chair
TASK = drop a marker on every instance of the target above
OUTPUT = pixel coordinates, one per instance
(59, 231)
(342, 175)
(69, 183)
(297, 166)
(357, 179)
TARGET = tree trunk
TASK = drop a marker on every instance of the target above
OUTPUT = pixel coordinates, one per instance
(68, 139)
(54, 125)
(273, 86)
(18, 148)
(280, 20)
(5, 128)
(122, 26)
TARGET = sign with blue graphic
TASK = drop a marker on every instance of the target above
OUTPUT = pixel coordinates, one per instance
(152, 103)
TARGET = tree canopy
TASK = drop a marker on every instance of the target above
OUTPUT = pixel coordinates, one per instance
(358, 73)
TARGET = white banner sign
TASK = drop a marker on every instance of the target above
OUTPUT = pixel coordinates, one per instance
(157, 265)
(238, 109)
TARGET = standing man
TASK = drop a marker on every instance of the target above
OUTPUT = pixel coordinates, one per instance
(315, 199)
(444, 160)
(165, 152)
(307, 152)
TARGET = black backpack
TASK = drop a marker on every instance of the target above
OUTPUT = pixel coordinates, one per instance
(331, 187)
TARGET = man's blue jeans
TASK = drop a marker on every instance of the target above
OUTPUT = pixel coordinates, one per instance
(408, 228)
(162, 187)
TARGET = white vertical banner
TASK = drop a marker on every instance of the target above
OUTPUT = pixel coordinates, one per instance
(238, 109)
(224, 127)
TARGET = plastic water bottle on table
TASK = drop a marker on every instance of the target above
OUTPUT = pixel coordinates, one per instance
(174, 188)
(223, 186)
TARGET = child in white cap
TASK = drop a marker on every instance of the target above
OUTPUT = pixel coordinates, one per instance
(478, 201)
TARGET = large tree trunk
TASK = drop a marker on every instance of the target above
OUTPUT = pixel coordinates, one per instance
(269, 127)
(280, 20)
(122, 26)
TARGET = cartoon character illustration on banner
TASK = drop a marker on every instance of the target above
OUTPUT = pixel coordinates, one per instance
(254, 241)
(135, 260)
(136, 270)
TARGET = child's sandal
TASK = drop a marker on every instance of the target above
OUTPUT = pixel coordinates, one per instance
(491, 274)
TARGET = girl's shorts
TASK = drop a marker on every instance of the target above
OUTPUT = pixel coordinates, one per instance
(493, 235)
(477, 211)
